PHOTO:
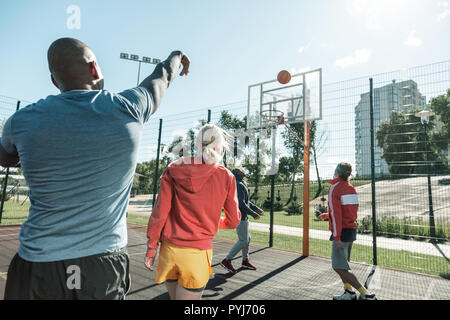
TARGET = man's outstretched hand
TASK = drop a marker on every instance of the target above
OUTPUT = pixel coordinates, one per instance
(185, 62)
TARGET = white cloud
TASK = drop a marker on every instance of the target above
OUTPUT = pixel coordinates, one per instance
(443, 15)
(303, 48)
(374, 13)
(300, 70)
(358, 57)
(366, 10)
(413, 40)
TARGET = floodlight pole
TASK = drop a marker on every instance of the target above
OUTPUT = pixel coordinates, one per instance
(424, 116)
(136, 58)
(139, 73)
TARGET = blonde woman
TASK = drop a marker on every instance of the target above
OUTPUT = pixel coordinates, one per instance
(187, 215)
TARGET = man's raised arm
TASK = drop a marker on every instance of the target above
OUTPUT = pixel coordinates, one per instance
(163, 75)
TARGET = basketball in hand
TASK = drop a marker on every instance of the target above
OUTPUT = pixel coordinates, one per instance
(284, 77)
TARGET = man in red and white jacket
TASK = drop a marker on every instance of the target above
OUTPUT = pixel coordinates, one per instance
(342, 214)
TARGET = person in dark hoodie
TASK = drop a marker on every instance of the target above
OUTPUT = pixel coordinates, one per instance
(247, 208)
(187, 215)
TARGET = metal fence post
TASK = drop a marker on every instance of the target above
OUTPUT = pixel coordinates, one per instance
(272, 196)
(5, 181)
(430, 197)
(155, 185)
(372, 165)
(255, 193)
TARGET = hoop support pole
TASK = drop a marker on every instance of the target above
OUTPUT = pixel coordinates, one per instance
(306, 191)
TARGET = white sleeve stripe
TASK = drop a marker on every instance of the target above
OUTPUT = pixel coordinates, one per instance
(330, 202)
(349, 199)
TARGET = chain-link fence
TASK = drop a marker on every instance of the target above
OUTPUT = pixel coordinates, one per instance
(400, 162)
(14, 195)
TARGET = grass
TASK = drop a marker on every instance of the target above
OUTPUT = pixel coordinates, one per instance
(285, 190)
(283, 219)
(395, 259)
(405, 228)
(14, 212)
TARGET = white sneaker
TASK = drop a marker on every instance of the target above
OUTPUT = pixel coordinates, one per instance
(367, 297)
(347, 295)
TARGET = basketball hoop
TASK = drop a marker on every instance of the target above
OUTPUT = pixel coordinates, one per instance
(273, 117)
(276, 117)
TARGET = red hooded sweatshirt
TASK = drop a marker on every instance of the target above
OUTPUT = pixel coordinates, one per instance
(188, 208)
(342, 207)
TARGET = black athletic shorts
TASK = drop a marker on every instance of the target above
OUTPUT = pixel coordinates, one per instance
(98, 277)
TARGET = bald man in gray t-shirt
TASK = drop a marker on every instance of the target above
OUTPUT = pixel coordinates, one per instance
(78, 151)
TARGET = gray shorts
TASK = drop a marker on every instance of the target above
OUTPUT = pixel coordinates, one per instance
(340, 258)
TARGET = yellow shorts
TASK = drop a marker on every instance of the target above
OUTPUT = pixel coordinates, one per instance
(191, 267)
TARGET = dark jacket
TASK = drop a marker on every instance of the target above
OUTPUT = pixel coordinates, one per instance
(245, 205)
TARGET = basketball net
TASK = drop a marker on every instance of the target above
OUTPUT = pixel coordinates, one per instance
(278, 119)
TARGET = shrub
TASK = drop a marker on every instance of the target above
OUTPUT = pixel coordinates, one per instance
(277, 206)
(294, 209)
(404, 228)
(319, 209)
(364, 225)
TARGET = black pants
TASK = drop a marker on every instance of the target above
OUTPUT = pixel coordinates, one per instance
(103, 276)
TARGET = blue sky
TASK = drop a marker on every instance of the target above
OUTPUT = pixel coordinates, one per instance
(232, 44)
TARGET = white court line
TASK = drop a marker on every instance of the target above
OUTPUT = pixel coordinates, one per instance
(9, 234)
(134, 254)
(430, 289)
(147, 206)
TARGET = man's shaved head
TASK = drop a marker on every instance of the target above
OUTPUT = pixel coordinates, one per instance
(73, 65)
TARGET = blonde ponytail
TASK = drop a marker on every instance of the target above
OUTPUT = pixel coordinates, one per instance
(213, 142)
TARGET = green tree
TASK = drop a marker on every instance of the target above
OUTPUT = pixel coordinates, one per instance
(144, 180)
(441, 106)
(231, 122)
(247, 156)
(296, 150)
(405, 144)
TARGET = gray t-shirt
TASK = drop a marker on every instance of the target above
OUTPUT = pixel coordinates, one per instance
(78, 151)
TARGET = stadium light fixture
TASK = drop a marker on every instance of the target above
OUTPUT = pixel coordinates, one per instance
(135, 57)
(424, 115)
(146, 59)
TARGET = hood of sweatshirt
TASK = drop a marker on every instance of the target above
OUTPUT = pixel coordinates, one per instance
(190, 174)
